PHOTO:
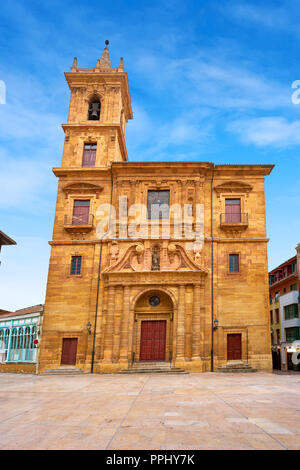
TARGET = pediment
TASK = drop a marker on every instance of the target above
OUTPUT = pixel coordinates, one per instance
(82, 188)
(233, 187)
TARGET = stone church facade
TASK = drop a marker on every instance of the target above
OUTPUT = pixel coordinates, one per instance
(115, 298)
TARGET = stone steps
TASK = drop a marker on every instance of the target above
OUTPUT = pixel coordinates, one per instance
(236, 368)
(63, 371)
(153, 368)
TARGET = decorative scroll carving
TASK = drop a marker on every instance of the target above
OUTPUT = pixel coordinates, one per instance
(171, 258)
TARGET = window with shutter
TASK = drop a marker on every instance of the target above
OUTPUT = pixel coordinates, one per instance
(89, 155)
(81, 211)
(232, 210)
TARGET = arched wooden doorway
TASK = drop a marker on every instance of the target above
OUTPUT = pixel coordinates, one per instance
(153, 327)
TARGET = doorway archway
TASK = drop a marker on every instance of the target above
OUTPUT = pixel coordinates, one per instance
(153, 331)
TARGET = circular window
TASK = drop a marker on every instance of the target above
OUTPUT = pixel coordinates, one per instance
(154, 301)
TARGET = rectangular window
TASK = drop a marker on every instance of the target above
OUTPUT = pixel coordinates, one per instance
(81, 211)
(293, 287)
(271, 316)
(291, 311)
(76, 265)
(232, 210)
(276, 296)
(158, 204)
(89, 155)
(292, 334)
(234, 263)
(277, 315)
(294, 267)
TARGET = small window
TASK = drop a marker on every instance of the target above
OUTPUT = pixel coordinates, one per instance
(158, 204)
(292, 334)
(293, 287)
(89, 155)
(277, 295)
(277, 315)
(76, 265)
(291, 311)
(94, 110)
(234, 263)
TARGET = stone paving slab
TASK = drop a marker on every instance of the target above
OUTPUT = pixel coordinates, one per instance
(149, 411)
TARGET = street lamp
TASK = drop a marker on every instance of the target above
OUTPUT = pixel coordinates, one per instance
(216, 324)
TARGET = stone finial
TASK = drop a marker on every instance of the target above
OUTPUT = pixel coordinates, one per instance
(74, 65)
(121, 65)
(104, 62)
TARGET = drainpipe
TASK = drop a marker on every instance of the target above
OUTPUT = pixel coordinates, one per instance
(212, 274)
(99, 271)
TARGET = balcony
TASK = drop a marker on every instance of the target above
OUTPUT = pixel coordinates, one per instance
(234, 221)
(78, 224)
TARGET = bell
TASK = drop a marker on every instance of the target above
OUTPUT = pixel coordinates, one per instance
(94, 111)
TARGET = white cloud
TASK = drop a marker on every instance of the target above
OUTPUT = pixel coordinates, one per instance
(267, 131)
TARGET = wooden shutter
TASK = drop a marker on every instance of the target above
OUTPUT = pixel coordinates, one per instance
(81, 211)
(233, 210)
(89, 155)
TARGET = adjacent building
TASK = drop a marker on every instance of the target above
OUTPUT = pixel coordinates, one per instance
(284, 311)
(20, 333)
(194, 293)
(5, 240)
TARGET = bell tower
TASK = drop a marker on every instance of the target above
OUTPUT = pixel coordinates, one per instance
(99, 110)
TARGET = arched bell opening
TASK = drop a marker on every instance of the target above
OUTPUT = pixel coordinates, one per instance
(94, 109)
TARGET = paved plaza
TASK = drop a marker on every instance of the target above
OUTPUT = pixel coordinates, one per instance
(155, 411)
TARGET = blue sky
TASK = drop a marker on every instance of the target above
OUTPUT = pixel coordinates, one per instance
(209, 81)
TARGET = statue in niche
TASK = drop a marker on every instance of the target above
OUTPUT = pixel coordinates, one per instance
(155, 259)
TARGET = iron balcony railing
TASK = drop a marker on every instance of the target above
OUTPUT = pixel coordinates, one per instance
(72, 220)
(240, 218)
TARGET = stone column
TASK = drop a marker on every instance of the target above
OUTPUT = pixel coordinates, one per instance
(188, 323)
(196, 323)
(108, 335)
(117, 323)
(180, 324)
(203, 334)
(125, 326)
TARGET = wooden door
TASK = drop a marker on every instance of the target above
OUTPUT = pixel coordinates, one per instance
(69, 350)
(234, 347)
(153, 340)
(233, 210)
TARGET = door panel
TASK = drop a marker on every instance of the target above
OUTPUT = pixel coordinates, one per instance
(69, 350)
(234, 347)
(153, 340)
